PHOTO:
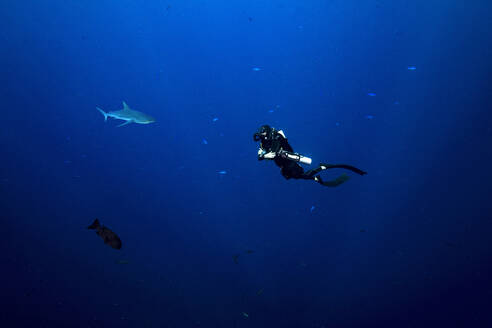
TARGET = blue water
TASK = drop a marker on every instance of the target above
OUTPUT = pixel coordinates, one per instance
(211, 236)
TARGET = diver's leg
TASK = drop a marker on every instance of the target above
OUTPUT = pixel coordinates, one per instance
(342, 166)
(293, 170)
(311, 173)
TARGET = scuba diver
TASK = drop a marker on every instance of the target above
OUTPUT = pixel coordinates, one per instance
(274, 146)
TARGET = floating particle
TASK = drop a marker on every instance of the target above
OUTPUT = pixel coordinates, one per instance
(312, 209)
(256, 69)
(369, 117)
(215, 119)
(412, 68)
(222, 172)
(205, 142)
(371, 94)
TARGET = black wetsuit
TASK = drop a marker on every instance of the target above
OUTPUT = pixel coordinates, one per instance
(276, 142)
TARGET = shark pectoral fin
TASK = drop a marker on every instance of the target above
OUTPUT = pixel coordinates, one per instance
(125, 123)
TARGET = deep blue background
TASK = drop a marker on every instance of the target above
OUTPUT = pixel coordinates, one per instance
(408, 245)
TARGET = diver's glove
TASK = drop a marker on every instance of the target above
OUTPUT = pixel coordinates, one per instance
(261, 152)
(270, 155)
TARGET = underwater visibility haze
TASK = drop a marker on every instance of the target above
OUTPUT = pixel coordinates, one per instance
(146, 145)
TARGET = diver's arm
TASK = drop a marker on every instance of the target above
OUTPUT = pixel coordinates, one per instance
(264, 155)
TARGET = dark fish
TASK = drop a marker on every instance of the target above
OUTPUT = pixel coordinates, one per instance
(250, 251)
(236, 258)
(109, 237)
(121, 262)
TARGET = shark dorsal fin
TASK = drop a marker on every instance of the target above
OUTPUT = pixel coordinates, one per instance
(125, 106)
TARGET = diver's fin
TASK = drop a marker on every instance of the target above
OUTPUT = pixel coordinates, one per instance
(94, 225)
(104, 113)
(332, 183)
(125, 106)
(342, 166)
(125, 123)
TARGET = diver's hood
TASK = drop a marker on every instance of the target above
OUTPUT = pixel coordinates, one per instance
(264, 132)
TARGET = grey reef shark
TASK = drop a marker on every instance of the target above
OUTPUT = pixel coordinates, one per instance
(128, 115)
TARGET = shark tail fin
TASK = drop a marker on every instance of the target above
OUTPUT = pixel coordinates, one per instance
(104, 113)
(94, 225)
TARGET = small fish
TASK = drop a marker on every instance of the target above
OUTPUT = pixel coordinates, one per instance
(371, 94)
(412, 68)
(236, 258)
(215, 119)
(222, 172)
(245, 315)
(204, 141)
(271, 111)
(369, 117)
(109, 237)
(249, 251)
(256, 69)
(312, 209)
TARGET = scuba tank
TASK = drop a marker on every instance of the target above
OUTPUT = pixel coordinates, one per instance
(295, 157)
